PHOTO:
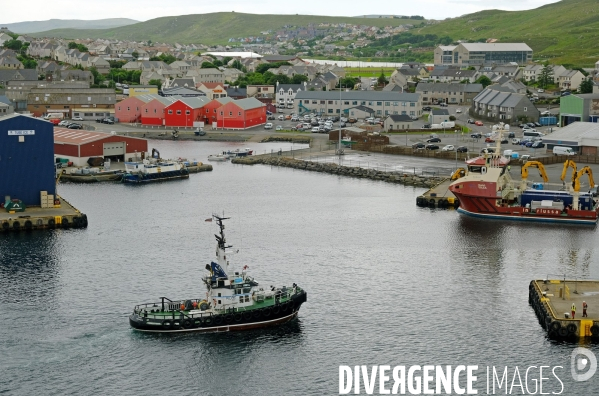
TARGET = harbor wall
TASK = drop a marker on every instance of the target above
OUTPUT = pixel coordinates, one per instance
(332, 168)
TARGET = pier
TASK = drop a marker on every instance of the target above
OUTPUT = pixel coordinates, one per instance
(63, 215)
(438, 196)
(552, 300)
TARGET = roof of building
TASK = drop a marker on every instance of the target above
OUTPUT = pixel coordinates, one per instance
(236, 91)
(185, 91)
(359, 95)
(494, 97)
(400, 118)
(235, 54)
(490, 47)
(587, 96)
(248, 103)
(212, 85)
(194, 102)
(80, 136)
(582, 133)
(440, 112)
(364, 108)
(5, 100)
(448, 87)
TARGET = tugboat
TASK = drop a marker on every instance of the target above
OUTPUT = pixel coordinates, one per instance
(232, 302)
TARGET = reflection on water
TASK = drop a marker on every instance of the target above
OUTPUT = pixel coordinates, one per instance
(388, 283)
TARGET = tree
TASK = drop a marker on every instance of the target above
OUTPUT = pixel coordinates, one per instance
(382, 80)
(158, 83)
(586, 86)
(135, 54)
(237, 64)
(80, 47)
(98, 78)
(208, 65)
(14, 45)
(298, 79)
(484, 80)
(281, 79)
(545, 76)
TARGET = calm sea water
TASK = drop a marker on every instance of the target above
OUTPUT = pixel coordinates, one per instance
(388, 283)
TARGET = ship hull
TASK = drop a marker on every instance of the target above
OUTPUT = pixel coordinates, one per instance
(222, 322)
(154, 177)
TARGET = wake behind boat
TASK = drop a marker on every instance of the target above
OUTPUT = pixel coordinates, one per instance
(488, 191)
(234, 301)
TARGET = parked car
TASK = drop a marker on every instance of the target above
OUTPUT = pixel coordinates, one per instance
(426, 108)
(476, 135)
(434, 140)
(294, 118)
(566, 93)
(426, 126)
(521, 126)
(487, 150)
(511, 135)
(546, 113)
(432, 147)
(449, 147)
(418, 145)
(281, 118)
(478, 123)
(531, 124)
(540, 90)
(458, 110)
(107, 121)
(64, 123)
(489, 140)
(504, 141)
(470, 121)
(268, 125)
(413, 117)
(443, 104)
(74, 126)
(529, 143)
(537, 145)
(538, 124)
(279, 128)
(315, 130)
(77, 119)
(270, 117)
(462, 149)
(516, 141)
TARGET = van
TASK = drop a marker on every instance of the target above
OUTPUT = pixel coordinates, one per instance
(562, 150)
(507, 153)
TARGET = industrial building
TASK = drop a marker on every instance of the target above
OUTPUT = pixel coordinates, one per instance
(579, 107)
(26, 159)
(79, 146)
(583, 137)
(241, 114)
(478, 54)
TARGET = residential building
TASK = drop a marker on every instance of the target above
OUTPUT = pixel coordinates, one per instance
(285, 93)
(335, 102)
(397, 122)
(498, 106)
(532, 72)
(210, 75)
(454, 93)
(570, 80)
(6, 106)
(10, 62)
(241, 114)
(438, 116)
(212, 90)
(470, 54)
(261, 91)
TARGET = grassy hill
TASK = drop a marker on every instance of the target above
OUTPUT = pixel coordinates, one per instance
(215, 28)
(565, 32)
(40, 26)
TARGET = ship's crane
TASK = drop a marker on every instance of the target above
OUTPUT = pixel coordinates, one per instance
(524, 172)
(460, 172)
(569, 164)
(578, 175)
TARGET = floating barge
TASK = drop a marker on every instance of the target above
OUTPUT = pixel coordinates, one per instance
(552, 301)
(64, 215)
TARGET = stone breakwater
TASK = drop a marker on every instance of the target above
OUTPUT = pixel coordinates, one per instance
(332, 168)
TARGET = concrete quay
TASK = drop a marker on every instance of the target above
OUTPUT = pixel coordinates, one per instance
(64, 215)
(552, 301)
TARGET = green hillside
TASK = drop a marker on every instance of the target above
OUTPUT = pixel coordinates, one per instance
(215, 28)
(40, 26)
(565, 32)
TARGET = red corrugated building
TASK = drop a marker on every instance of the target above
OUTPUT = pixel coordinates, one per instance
(210, 109)
(78, 146)
(185, 111)
(152, 113)
(241, 114)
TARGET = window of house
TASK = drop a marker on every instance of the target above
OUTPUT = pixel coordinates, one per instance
(178, 111)
(379, 103)
(330, 102)
(155, 111)
(322, 102)
(355, 102)
(239, 114)
(230, 113)
(404, 113)
(395, 112)
(66, 107)
(525, 109)
(386, 103)
(187, 112)
(412, 104)
(146, 110)
(170, 112)
(127, 108)
(314, 102)
(330, 111)
(346, 102)
(411, 113)
(370, 103)
(386, 112)
(363, 103)
(395, 103)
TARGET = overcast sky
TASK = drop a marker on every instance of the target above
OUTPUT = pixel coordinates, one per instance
(39, 10)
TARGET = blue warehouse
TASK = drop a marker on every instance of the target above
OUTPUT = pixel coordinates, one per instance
(26, 158)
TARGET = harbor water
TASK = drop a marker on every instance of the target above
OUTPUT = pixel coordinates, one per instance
(388, 284)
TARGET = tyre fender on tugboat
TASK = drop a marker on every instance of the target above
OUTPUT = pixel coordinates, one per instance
(167, 324)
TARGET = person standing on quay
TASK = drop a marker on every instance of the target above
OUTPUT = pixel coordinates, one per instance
(584, 309)
(573, 310)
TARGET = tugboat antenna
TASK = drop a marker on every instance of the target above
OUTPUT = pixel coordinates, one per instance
(221, 238)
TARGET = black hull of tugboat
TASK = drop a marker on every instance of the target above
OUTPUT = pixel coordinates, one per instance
(258, 318)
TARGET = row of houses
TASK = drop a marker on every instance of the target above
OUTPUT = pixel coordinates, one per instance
(180, 111)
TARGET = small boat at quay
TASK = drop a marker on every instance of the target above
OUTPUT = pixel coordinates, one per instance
(233, 301)
(238, 153)
(153, 170)
(218, 157)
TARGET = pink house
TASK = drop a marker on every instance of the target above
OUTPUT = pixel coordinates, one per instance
(152, 113)
(129, 110)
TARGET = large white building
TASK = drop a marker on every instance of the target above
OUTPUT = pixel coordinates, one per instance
(382, 103)
(473, 54)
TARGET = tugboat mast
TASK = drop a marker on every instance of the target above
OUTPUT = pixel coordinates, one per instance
(222, 243)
